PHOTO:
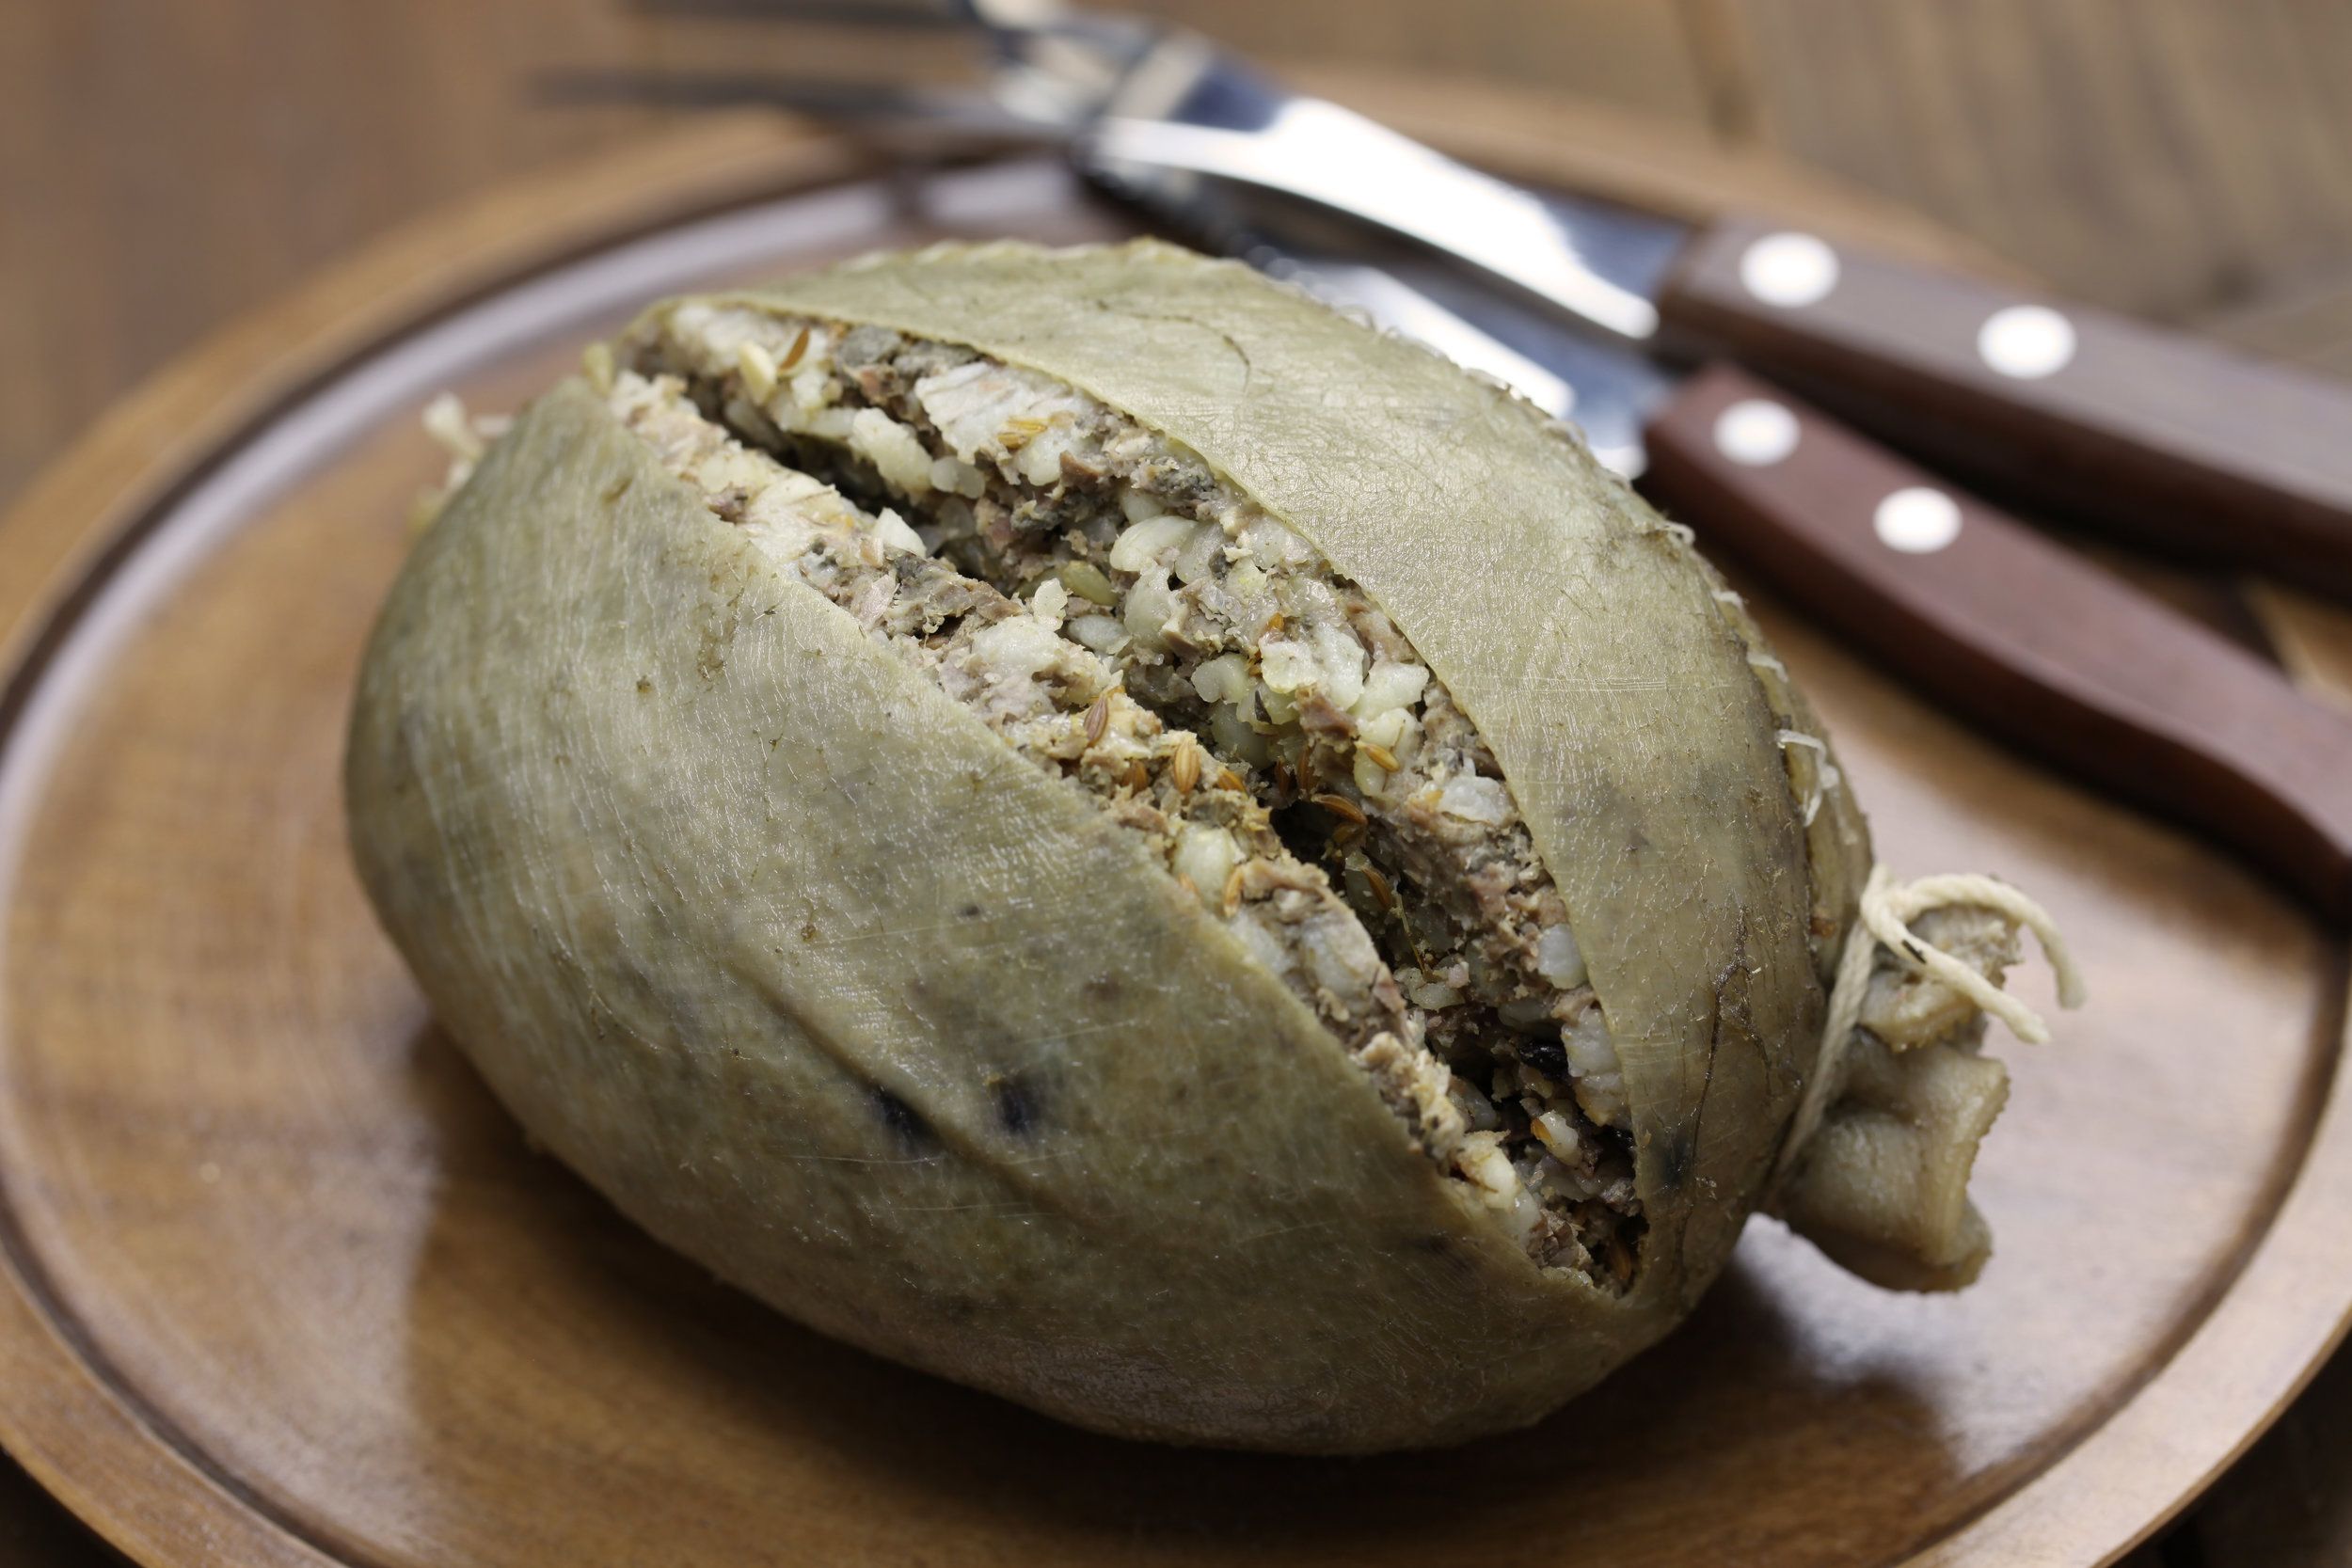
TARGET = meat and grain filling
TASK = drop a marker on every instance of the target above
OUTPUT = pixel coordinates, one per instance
(1119, 614)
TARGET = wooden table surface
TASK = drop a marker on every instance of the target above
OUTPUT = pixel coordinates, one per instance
(167, 165)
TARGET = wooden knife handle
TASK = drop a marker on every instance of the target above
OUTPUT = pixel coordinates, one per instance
(2172, 443)
(2032, 641)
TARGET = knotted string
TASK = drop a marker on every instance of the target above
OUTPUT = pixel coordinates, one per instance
(1888, 907)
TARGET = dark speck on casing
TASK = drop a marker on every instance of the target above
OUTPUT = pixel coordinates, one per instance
(1016, 1105)
(1674, 1166)
(901, 1118)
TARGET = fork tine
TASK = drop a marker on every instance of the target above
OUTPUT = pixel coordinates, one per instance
(878, 13)
(927, 110)
(1000, 19)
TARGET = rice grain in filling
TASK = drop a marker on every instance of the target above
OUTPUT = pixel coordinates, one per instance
(1121, 615)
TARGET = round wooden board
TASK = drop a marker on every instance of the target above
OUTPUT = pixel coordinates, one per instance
(284, 1286)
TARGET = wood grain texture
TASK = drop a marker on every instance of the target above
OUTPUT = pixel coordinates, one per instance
(2162, 156)
(326, 1306)
(2172, 443)
(2288, 1503)
(259, 362)
(244, 142)
(1625, 56)
(2308, 323)
(263, 136)
(2037, 644)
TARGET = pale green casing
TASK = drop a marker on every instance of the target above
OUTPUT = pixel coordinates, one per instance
(818, 981)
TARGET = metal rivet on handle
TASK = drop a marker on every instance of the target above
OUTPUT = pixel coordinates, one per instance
(2026, 342)
(1918, 521)
(1788, 269)
(1755, 433)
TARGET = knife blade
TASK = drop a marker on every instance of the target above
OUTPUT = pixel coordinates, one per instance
(1619, 388)
(1186, 106)
(2032, 641)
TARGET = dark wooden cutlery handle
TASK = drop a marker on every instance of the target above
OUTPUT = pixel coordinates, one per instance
(2170, 442)
(2030, 639)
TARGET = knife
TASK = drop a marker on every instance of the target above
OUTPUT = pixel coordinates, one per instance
(2174, 444)
(1996, 621)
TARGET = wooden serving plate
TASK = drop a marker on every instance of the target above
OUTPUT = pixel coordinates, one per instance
(280, 1284)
